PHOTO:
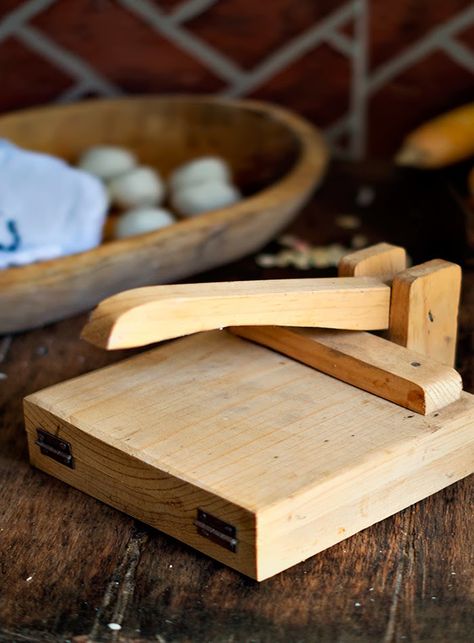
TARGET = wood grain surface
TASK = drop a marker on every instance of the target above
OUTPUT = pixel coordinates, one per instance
(70, 565)
(424, 309)
(367, 361)
(294, 460)
(381, 260)
(146, 315)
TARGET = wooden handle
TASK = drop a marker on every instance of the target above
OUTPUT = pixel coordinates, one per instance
(146, 315)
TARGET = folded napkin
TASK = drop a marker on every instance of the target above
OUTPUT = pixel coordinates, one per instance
(47, 208)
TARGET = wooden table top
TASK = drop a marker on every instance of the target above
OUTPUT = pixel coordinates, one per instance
(70, 566)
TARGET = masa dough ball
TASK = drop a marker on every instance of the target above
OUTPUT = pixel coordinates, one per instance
(203, 197)
(200, 170)
(141, 220)
(106, 161)
(140, 186)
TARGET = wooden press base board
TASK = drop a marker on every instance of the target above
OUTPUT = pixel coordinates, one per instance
(293, 459)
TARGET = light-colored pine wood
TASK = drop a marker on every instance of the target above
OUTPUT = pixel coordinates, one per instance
(382, 260)
(277, 157)
(424, 309)
(364, 360)
(295, 459)
(146, 315)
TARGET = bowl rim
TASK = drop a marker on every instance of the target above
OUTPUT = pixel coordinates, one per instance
(305, 174)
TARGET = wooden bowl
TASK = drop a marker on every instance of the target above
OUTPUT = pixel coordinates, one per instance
(277, 158)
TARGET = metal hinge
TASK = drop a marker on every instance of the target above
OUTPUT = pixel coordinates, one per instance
(217, 530)
(55, 448)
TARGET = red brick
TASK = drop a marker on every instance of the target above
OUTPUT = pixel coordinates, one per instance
(124, 48)
(317, 86)
(348, 28)
(168, 5)
(394, 26)
(466, 37)
(247, 31)
(28, 79)
(7, 6)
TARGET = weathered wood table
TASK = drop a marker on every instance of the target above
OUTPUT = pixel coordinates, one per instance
(70, 566)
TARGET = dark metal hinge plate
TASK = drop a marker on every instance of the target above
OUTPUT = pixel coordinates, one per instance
(217, 530)
(55, 448)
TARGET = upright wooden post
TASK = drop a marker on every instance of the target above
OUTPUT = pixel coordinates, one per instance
(424, 309)
(381, 260)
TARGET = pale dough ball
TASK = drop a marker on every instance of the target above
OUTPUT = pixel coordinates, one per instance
(200, 170)
(140, 186)
(141, 220)
(106, 161)
(202, 197)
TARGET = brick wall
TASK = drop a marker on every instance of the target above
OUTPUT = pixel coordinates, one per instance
(364, 70)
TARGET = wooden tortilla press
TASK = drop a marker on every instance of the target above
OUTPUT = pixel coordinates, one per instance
(419, 314)
(261, 458)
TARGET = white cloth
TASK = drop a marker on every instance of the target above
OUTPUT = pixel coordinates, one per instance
(47, 208)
